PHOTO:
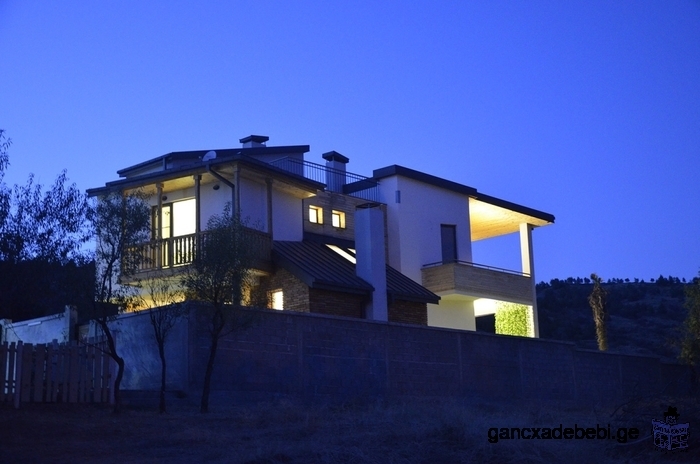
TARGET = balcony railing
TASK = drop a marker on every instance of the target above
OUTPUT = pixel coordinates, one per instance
(172, 252)
(335, 180)
(478, 280)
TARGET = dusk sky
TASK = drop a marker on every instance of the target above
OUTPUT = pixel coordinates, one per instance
(588, 110)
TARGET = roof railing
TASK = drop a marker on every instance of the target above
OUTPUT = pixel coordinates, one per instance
(352, 184)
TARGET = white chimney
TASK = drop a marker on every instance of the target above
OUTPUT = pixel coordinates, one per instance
(371, 258)
(253, 141)
(335, 175)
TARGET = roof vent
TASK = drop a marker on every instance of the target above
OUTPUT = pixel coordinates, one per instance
(210, 155)
(253, 141)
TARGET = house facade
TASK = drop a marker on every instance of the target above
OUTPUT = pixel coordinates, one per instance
(396, 246)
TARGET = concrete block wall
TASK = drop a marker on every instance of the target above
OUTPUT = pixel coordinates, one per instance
(319, 358)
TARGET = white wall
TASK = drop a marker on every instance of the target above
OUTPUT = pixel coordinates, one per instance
(212, 201)
(414, 223)
(287, 216)
(40, 330)
(254, 204)
(454, 311)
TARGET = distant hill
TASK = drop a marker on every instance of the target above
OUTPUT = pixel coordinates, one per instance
(645, 317)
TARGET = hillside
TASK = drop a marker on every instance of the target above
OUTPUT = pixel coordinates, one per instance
(645, 317)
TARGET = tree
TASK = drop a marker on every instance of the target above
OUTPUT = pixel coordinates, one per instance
(42, 233)
(4, 157)
(120, 221)
(600, 316)
(690, 344)
(218, 276)
(47, 226)
(165, 311)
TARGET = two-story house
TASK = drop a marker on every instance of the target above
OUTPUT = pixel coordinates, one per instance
(396, 246)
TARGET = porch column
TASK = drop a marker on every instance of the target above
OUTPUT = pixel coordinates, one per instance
(197, 216)
(528, 265)
(158, 226)
(268, 181)
(237, 191)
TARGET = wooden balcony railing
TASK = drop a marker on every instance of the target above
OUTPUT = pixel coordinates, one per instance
(172, 252)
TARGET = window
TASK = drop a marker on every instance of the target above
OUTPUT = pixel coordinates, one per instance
(277, 299)
(338, 219)
(178, 219)
(316, 214)
(448, 235)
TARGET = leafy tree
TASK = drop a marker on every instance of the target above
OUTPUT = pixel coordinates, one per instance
(690, 345)
(119, 221)
(42, 233)
(47, 226)
(165, 311)
(218, 276)
(600, 316)
(4, 157)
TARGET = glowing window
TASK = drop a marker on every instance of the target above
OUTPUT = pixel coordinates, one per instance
(338, 219)
(277, 299)
(316, 214)
(184, 217)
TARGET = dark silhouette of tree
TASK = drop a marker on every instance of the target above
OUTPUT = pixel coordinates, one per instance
(119, 221)
(4, 157)
(166, 310)
(690, 344)
(597, 301)
(42, 232)
(218, 275)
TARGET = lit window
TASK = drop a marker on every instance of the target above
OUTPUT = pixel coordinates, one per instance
(277, 299)
(338, 219)
(316, 214)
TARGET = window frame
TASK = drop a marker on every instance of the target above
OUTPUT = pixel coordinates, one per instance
(318, 212)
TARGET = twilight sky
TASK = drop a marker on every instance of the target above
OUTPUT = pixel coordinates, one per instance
(586, 109)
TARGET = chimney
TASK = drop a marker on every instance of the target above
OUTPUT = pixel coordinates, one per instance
(371, 258)
(253, 141)
(335, 175)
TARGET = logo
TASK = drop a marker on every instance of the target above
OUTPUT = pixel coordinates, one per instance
(669, 435)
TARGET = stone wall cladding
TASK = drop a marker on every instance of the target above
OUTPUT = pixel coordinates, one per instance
(336, 303)
(296, 292)
(324, 358)
(408, 312)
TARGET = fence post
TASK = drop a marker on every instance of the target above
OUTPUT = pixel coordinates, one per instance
(18, 372)
(112, 369)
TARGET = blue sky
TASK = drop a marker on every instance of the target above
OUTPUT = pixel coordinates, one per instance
(589, 110)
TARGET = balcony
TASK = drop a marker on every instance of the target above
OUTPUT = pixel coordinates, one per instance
(336, 180)
(171, 253)
(478, 281)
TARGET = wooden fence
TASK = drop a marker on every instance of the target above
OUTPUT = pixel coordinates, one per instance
(48, 373)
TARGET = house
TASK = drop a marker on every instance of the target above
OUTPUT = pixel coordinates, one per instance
(332, 242)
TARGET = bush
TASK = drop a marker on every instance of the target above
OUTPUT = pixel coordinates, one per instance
(512, 319)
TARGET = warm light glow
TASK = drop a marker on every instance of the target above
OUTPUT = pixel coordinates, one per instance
(342, 253)
(277, 299)
(184, 217)
(315, 215)
(338, 219)
(484, 306)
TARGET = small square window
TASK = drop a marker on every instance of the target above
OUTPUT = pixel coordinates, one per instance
(338, 219)
(315, 214)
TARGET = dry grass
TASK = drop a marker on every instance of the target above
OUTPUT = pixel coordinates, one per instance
(420, 431)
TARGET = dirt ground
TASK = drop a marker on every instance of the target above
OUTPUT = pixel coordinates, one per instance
(421, 431)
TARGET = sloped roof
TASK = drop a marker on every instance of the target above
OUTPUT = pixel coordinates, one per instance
(320, 267)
